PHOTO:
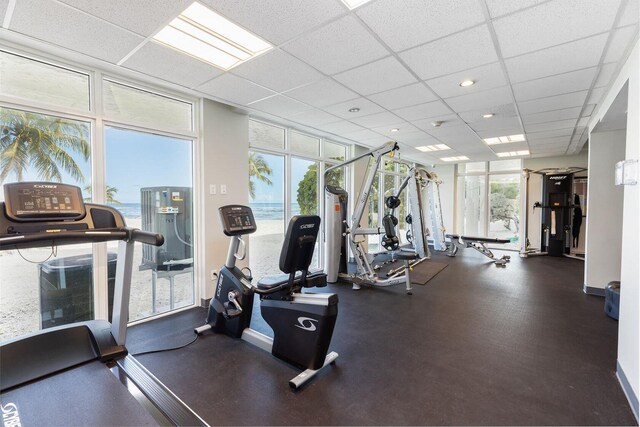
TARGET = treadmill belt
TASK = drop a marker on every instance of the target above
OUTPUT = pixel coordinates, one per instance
(87, 395)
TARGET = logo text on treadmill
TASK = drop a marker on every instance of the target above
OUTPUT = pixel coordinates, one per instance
(306, 323)
(10, 416)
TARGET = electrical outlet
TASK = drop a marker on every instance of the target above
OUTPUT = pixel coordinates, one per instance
(223, 189)
(212, 189)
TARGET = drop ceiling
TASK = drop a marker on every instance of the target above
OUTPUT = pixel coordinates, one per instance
(540, 66)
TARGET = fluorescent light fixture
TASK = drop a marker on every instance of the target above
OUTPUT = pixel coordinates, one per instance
(436, 147)
(352, 4)
(488, 115)
(454, 159)
(513, 153)
(467, 83)
(209, 37)
(505, 139)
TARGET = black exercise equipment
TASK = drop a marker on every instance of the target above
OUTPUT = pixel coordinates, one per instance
(302, 323)
(477, 243)
(51, 376)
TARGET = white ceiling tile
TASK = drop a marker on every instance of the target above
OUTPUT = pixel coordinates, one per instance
(606, 74)
(631, 13)
(588, 110)
(542, 143)
(554, 85)
(423, 111)
(314, 117)
(361, 135)
(384, 118)
(501, 7)
(377, 76)
(144, 17)
(277, 70)
(418, 138)
(560, 124)
(583, 121)
(342, 109)
(448, 120)
(454, 133)
(551, 116)
(322, 93)
(461, 51)
(485, 77)
(596, 95)
(496, 124)
(280, 106)
(556, 60)
(552, 23)
(61, 25)
(338, 46)
(341, 127)
(404, 96)
(419, 21)
(536, 136)
(499, 111)
(620, 43)
(481, 100)
(170, 65)
(404, 129)
(490, 133)
(235, 89)
(277, 21)
(3, 8)
(558, 102)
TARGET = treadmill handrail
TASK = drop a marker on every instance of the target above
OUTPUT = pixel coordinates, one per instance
(63, 237)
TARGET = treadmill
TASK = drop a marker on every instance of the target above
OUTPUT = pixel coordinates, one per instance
(81, 373)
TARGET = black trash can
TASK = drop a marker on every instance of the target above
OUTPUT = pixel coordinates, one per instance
(66, 289)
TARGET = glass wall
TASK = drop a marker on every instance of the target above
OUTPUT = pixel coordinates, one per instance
(284, 180)
(488, 200)
(53, 129)
(159, 202)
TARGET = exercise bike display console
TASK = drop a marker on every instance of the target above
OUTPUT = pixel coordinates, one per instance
(302, 323)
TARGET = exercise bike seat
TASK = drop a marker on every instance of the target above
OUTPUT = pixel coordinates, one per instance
(316, 279)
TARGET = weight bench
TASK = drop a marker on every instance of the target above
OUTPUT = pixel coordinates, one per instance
(477, 243)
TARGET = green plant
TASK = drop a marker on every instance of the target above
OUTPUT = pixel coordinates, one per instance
(111, 194)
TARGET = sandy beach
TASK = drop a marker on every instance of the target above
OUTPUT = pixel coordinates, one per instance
(20, 290)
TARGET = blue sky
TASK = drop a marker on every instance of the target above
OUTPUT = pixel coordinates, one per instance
(135, 160)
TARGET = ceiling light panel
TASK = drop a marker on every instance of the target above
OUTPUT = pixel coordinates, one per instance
(203, 34)
(352, 4)
(505, 139)
(513, 153)
(454, 159)
(436, 147)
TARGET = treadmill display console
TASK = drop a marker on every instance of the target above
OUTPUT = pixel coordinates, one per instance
(43, 201)
(237, 219)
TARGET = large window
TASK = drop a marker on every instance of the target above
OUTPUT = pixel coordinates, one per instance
(54, 129)
(286, 178)
(488, 200)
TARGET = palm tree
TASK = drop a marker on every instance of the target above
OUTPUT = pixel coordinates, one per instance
(111, 194)
(258, 169)
(43, 142)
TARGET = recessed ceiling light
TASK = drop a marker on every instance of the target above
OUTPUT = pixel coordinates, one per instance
(395, 130)
(209, 37)
(488, 115)
(352, 4)
(454, 159)
(513, 153)
(436, 147)
(505, 139)
(467, 83)
(437, 123)
(354, 110)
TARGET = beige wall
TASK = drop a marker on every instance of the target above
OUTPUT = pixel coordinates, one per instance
(223, 161)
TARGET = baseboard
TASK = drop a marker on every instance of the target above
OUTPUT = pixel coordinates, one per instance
(204, 302)
(593, 291)
(628, 391)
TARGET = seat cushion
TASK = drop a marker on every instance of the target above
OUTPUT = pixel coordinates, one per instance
(315, 279)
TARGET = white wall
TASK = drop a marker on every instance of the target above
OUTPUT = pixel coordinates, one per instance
(629, 323)
(604, 212)
(223, 161)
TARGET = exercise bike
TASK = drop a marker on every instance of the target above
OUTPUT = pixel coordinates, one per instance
(302, 323)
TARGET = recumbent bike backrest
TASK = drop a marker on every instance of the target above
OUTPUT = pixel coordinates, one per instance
(299, 243)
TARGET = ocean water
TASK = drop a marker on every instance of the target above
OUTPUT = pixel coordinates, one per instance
(261, 211)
